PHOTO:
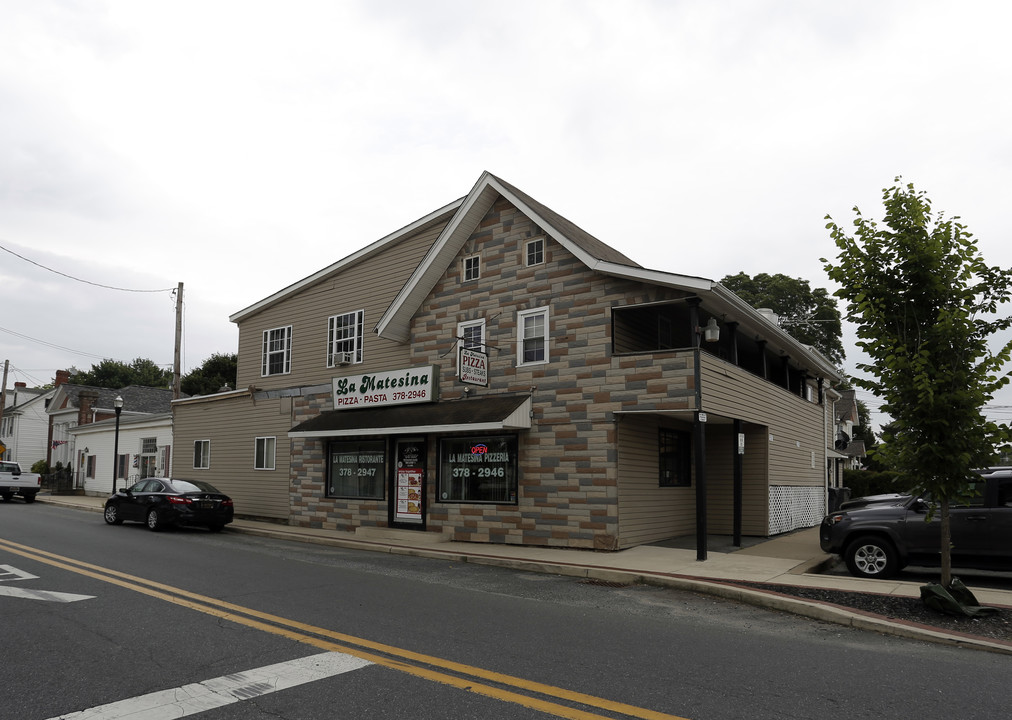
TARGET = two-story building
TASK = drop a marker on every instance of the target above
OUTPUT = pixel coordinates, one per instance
(494, 373)
(24, 424)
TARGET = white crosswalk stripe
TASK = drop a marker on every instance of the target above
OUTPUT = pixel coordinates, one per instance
(217, 692)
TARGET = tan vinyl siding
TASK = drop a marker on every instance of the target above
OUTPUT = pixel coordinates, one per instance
(368, 285)
(646, 511)
(232, 425)
(721, 446)
(795, 424)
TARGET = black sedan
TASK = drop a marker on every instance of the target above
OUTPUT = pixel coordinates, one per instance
(163, 502)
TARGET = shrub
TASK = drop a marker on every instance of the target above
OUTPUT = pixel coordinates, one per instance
(866, 482)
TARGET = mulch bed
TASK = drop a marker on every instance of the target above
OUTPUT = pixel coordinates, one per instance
(997, 626)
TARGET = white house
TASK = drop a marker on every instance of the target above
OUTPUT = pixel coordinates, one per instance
(144, 450)
(25, 427)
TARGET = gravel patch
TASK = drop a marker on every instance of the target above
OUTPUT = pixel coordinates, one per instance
(997, 626)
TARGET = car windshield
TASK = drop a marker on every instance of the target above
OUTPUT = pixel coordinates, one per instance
(189, 486)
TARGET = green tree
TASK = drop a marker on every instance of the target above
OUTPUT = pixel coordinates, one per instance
(925, 305)
(115, 374)
(809, 316)
(217, 371)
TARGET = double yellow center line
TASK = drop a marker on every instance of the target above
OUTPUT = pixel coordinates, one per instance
(507, 688)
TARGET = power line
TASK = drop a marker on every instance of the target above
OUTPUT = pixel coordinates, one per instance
(76, 279)
(49, 344)
(67, 349)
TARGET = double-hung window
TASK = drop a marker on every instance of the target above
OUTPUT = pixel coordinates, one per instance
(532, 339)
(263, 455)
(471, 335)
(344, 338)
(201, 454)
(277, 352)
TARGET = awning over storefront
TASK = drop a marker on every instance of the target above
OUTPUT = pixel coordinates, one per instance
(499, 412)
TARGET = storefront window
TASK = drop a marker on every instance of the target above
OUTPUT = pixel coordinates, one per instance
(356, 469)
(478, 469)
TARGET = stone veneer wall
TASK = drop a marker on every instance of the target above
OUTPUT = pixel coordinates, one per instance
(569, 464)
(569, 460)
(310, 505)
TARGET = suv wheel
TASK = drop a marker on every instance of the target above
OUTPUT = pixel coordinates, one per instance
(871, 557)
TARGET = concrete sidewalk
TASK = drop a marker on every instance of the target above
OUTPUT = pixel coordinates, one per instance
(792, 559)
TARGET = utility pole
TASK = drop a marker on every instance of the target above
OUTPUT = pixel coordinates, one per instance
(179, 337)
(3, 389)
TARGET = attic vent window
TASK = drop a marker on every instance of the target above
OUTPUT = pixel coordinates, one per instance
(472, 268)
(534, 252)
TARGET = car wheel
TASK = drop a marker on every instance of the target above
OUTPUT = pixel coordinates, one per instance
(871, 557)
(111, 515)
(154, 520)
(7, 497)
(29, 498)
(217, 527)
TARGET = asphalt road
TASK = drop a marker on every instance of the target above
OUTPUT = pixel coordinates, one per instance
(296, 631)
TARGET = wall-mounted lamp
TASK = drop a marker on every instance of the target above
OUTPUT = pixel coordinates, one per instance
(710, 333)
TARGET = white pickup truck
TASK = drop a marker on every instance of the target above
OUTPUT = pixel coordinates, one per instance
(14, 482)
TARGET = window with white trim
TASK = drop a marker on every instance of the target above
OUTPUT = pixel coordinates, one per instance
(534, 252)
(263, 454)
(471, 334)
(201, 454)
(277, 351)
(344, 338)
(471, 268)
(532, 336)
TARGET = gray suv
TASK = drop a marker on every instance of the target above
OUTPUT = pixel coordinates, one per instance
(879, 536)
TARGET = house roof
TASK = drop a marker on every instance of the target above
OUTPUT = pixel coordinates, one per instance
(136, 398)
(846, 406)
(496, 412)
(717, 300)
(126, 422)
(856, 449)
(27, 402)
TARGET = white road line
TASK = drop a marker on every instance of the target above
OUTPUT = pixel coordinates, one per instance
(8, 572)
(199, 697)
(48, 595)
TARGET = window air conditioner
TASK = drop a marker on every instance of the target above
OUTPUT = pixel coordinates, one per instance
(345, 358)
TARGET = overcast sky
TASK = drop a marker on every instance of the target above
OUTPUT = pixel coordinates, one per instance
(238, 147)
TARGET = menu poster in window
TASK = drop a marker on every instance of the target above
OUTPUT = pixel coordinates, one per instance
(409, 495)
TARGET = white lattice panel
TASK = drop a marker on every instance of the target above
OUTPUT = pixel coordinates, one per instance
(795, 507)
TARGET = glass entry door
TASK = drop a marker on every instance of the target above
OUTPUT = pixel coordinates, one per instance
(408, 492)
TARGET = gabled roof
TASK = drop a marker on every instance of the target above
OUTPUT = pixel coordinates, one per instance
(846, 407)
(32, 399)
(716, 299)
(597, 255)
(440, 215)
(136, 398)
